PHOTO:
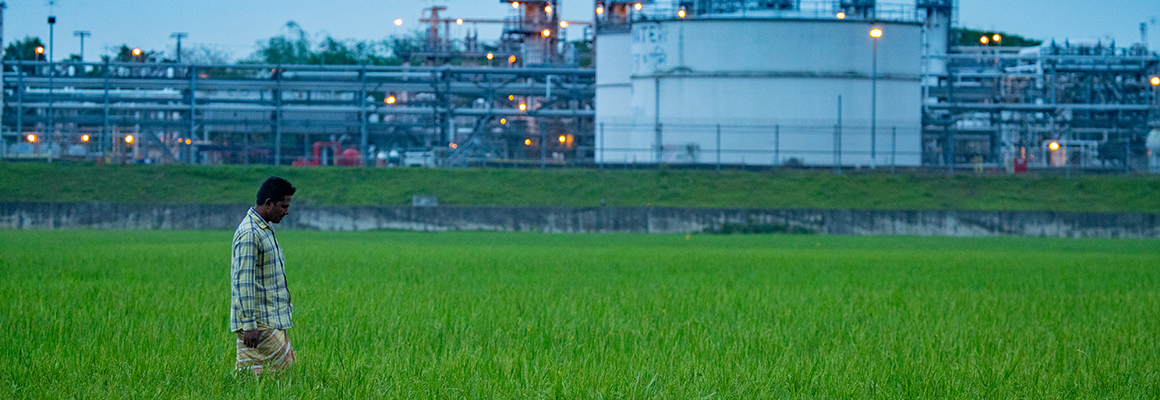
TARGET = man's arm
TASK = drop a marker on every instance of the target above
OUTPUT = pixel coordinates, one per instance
(245, 253)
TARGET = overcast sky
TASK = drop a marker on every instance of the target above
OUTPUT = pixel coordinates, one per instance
(235, 26)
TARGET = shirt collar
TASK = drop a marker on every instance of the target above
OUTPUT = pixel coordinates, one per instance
(253, 214)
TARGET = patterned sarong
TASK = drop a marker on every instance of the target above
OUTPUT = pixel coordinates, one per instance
(273, 352)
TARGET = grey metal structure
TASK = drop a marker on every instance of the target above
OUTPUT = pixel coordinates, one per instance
(277, 113)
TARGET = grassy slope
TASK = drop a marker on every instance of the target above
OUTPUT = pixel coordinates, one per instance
(672, 188)
(479, 315)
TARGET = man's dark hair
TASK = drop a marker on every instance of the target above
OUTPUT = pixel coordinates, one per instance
(275, 189)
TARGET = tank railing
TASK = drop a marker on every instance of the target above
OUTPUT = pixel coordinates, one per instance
(895, 12)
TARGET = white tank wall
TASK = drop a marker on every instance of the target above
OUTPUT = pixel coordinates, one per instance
(613, 81)
(756, 77)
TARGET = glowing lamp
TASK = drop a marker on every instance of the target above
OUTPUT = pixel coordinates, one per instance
(681, 13)
(527, 142)
(453, 145)
(39, 49)
(129, 139)
(548, 9)
(503, 121)
(515, 4)
(563, 139)
(512, 59)
(398, 22)
(876, 33)
(523, 107)
(637, 6)
(490, 56)
(1156, 81)
(31, 138)
(841, 15)
(188, 142)
(85, 138)
(983, 40)
(137, 51)
(546, 32)
(390, 100)
(997, 38)
(563, 24)
(459, 21)
(599, 10)
(1053, 146)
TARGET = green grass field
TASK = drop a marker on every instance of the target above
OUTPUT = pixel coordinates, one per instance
(484, 315)
(175, 184)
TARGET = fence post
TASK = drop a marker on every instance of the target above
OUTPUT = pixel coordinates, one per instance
(893, 148)
(777, 144)
(838, 140)
(718, 148)
(602, 146)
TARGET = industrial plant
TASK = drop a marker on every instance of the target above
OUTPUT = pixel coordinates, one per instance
(700, 83)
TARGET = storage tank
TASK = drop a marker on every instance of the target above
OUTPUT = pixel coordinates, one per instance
(771, 79)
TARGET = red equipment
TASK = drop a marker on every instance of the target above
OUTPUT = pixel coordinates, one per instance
(348, 157)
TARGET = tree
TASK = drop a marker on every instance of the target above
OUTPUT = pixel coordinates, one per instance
(294, 46)
(125, 54)
(204, 55)
(970, 37)
(25, 50)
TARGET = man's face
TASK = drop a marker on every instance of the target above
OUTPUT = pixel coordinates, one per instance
(276, 211)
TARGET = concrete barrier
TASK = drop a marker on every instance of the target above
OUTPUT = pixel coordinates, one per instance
(583, 220)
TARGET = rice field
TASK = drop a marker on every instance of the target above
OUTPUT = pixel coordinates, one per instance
(97, 314)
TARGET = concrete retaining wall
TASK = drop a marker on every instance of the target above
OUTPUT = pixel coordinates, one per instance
(581, 220)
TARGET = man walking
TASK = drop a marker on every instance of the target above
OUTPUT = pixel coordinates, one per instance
(260, 309)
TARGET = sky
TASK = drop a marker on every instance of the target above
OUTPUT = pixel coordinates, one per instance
(236, 26)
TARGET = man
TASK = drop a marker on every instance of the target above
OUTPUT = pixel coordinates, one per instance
(260, 309)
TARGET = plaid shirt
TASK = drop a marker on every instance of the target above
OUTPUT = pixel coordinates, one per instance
(258, 278)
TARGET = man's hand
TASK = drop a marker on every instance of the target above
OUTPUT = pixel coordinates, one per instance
(250, 338)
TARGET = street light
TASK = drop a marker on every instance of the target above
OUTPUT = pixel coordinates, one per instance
(997, 38)
(178, 36)
(82, 35)
(874, 33)
(563, 24)
(983, 40)
(459, 21)
(681, 13)
(398, 22)
(841, 15)
(546, 32)
(548, 9)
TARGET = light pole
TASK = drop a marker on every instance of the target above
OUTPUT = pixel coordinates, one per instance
(875, 33)
(82, 35)
(178, 36)
(51, 25)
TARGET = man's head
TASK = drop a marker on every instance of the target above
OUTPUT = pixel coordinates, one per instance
(274, 199)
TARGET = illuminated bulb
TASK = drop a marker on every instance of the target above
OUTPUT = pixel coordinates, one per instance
(599, 10)
(84, 138)
(637, 6)
(523, 107)
(490, 56)
(39, 49)
(398, 22)
(681, 13)
(390, 100)
(1156, 81)
(563, 24)
(997, 38)
(876, 33)
(453, 145)
(548, 9)
(546, 32)
(841, 15)
(31, 138)
(983, 40)
(1053, 146)
(188, 142)
(129, 139)
(503, 121)
(515, 4)
(459, 21)
(137, 52)
(511, 97)
(527, 142)
(512, 59)
(563, 139)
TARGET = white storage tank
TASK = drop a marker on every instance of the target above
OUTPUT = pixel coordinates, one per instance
(771, 81)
